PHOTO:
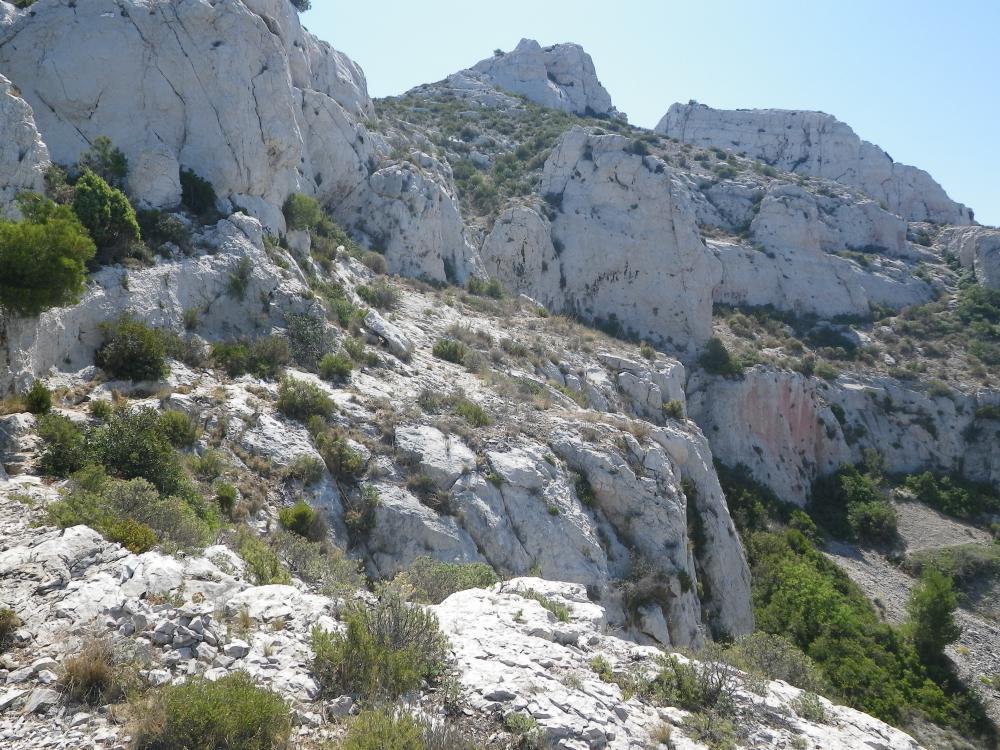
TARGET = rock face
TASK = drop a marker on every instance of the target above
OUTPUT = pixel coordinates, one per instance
(784, 427)
(236, 91)
(514, 656)
(657, 283)
(815, 143)
(978, 249)
(562, 77)
(23, 155)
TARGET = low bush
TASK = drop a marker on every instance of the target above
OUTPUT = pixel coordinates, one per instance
(262, 563)
(383, 729)
(692, 686)
(38, 399)
(178, 428)
(342, 460)
(239, 278)
(776, 658)
(673, 409)
(300, 400)
(231, 713)
(131, 444)
(953, 496)
(485, 287)
(319, 563)
(209, 466)
(472, 413)
(65, 445)
(132, 350)
(432, 581)
(561, 611)
(93, 674)
(850, 505)
(159, 228)
(386, 650)
(108, 216)
(450, 350)
(304, 520)
(42, 258)
(225, 497)
(263, 358)
(306, 468)
(381, 295)
(717, 359)
(9, 623)
(302, 212)
(197, 194)
(931, 609)
(333, 366)
(964, 564)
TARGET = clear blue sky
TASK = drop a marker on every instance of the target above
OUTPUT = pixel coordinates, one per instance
(919, 78)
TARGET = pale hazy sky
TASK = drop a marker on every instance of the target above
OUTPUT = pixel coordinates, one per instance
(917, 77)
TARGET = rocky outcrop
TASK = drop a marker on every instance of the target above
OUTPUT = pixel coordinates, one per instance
(788, 429)
(977, 249)
(562, 77)
(24, 157)
(236, 91)
(67, 337)
(817, 144)
(514, 656)
(658, 281)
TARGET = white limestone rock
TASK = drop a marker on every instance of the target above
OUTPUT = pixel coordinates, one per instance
(817, 144)
(514, 656)
(236, 91)
(658, 281)
(561, 76)
(24, 157)
(978, 249)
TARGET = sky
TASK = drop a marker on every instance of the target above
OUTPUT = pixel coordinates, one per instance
(920, 78)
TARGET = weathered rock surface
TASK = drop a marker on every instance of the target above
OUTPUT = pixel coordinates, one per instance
(24, 157)
(978, 249)
(561, 76)
(815, 143)
(236, 91)
(783, 427)
(658, 281)
(517, 657)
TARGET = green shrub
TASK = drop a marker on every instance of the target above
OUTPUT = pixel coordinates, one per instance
(231, 713)
(716, 359)
(693, 687)
(225, 497)
(300, 399)
(262, 563)
(710, 729)
(239, 278)
(382, 729)
(953, 496)
(106, 161)
(387, 650)
(490, 287)
(159, 228)
(302, 519)
(561, 611)
(209, 466)
(92, 674)
(343, 461)
(9, 623)
(38, 399)
(673, 409)
(360, 514)
(263, 358)
(65, 444)
(333, 366)
(809, 707)
(42, 258)
(850, 505)
(319, 563)
(432, 581)
(120, 510)
(178, 428)
(308, 338)
(776, 658)
(472, 413)
(450, 350)
(931, 608)
(307, 469)
(381, 295)
(107, 215)
(375, 262)
(965, 564)
(130, 444)
(197, 194)
(301, 212)
(132, 350)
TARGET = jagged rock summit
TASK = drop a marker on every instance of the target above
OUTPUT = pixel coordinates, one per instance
(561, 76)
(820, 145)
